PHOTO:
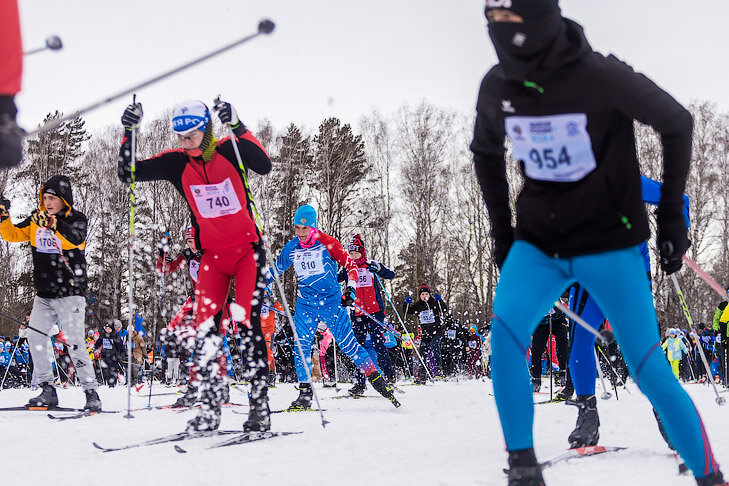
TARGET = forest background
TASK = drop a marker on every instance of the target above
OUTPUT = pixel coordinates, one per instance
(404, 180)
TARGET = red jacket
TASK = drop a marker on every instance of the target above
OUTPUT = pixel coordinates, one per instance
(219, 203)
(11, 48)
(187, 259)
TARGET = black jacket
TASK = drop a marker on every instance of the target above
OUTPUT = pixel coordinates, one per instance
(52, 276)
(604, 209)
(110, 344)
(431, 325)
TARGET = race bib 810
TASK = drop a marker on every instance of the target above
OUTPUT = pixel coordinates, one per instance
(554, 148)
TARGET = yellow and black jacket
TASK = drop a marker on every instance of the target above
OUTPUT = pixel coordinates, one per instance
(59, 263)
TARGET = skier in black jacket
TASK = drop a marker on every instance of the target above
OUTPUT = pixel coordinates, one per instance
(57, 235)
(568, 113)
(112, 349)
(431, 312)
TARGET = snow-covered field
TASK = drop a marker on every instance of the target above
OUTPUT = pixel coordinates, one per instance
(445, 434)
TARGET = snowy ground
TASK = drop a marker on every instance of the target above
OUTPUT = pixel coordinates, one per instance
(446, 434)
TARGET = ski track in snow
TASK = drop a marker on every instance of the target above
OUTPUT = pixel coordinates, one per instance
(446, 434)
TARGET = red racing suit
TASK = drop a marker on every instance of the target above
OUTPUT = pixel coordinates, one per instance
(222, 215)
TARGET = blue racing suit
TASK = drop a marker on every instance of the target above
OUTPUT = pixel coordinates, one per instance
(319, 297)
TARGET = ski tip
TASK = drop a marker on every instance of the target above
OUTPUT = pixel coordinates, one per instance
(180, 450)
(99, 447)
(266, 26)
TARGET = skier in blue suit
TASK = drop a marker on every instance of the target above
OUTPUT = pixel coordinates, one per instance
(314, 256)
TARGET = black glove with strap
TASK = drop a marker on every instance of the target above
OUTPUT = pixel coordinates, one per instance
(672, 239)
(348, 297)
(11, 135)
(4, 208)
(132, 116)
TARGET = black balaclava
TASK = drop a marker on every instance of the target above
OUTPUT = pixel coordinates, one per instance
(522, 47)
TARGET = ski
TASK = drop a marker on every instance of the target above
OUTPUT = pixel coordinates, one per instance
(554, 400)
(72, 416)
(285, 410)
(243, 438)
(167, 438)
(28, 408)
(578, 453)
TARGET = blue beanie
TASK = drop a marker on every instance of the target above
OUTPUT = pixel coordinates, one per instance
(306, 216)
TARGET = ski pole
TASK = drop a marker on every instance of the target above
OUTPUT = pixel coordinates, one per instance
(706, 278)
(53, 338)
(719, 400)
(391, 329)
(257, 218)
(53, 43)
(264, 27)
(614, 373)
(130, 292)
(7, 368)
(605, 394)
(579, 320)
(407, 306)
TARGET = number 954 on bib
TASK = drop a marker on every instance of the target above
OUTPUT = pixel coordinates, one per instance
(554, 148)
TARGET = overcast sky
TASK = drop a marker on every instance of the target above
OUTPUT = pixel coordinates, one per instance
(334, 57)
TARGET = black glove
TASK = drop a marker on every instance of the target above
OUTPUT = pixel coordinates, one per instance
(226, 113)
(374, 266)
(11, 135)
(672, 239)
(348, 297)
(4, 208)
(501, 250)
(132, 116)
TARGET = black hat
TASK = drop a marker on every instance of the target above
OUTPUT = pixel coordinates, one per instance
(529, 10)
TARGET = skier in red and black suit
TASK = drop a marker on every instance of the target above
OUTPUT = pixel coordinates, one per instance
(207, 174)
(368, 297)
(11, 71)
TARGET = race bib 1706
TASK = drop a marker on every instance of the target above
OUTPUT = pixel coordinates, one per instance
(553, 148)
(216, 200)
(46, 241)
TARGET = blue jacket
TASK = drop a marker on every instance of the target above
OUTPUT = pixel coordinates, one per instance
(316, 269)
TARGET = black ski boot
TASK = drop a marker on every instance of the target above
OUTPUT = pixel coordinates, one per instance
(524, 470)
(47, 398)
(259, 415)
(587, 430)
(225, 396)
(93, 402)
(566, 392)
(379, 384)
(208, 418)
(272, 379)
(713, 479)
(303, 402)
(357, 390)
(188, 399)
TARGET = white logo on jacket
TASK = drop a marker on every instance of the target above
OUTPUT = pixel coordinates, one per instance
(506, 106)
(498, 3)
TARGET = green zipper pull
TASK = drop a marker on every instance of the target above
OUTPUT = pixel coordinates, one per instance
(626, 222)
(533, 85)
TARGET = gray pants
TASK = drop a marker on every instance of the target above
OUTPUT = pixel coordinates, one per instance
(173, 370)
(69, 313)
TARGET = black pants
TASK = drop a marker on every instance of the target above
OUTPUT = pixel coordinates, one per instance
(109, 368)
(539, 342)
